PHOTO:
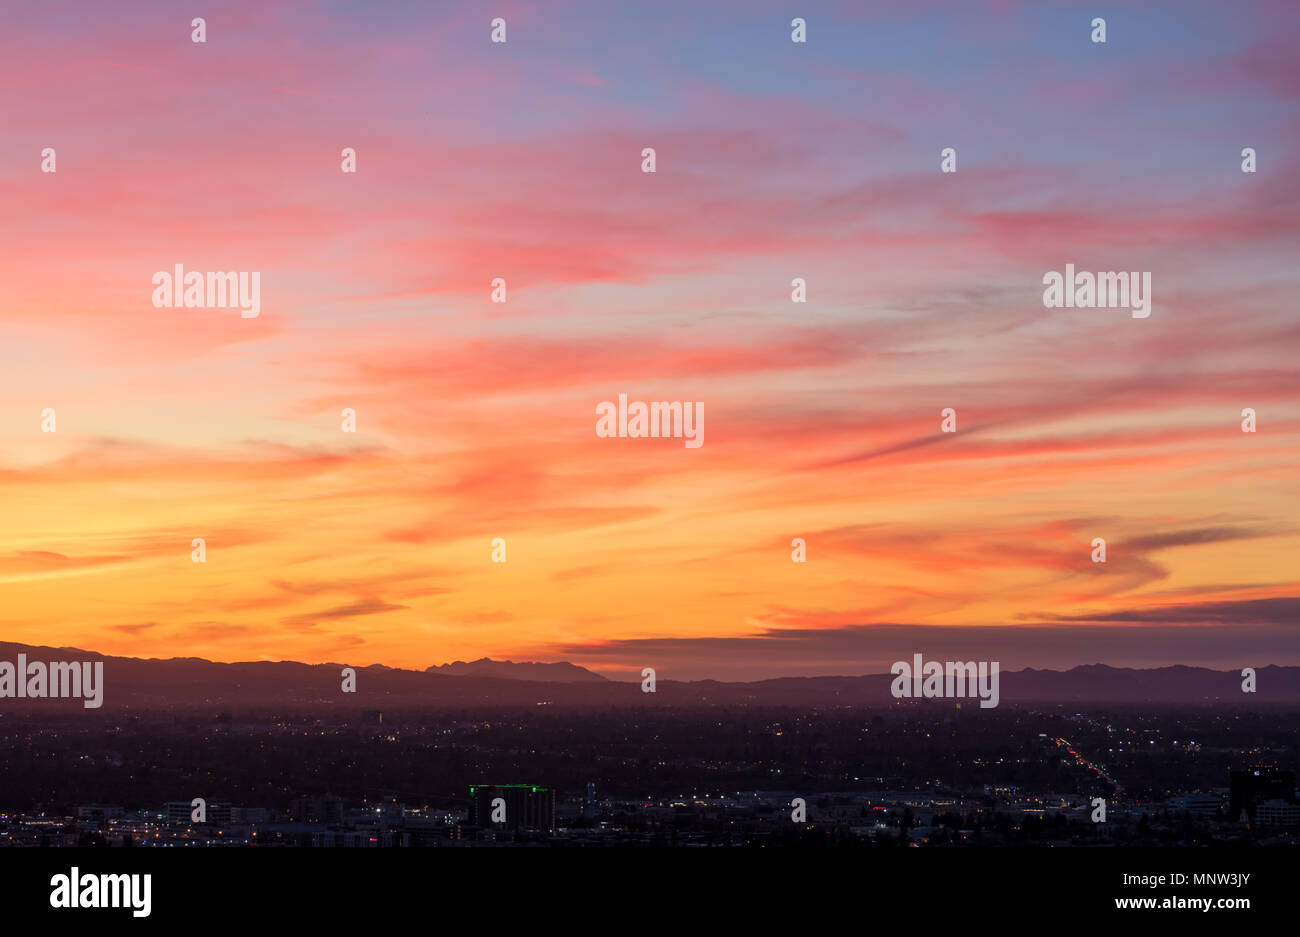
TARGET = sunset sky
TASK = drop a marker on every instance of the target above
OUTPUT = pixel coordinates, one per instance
(477, 420)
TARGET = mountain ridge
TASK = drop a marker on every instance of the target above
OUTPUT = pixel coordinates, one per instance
(194, 681)
(557, 671)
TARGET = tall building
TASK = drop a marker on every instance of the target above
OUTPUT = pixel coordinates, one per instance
(527, 806)
(1249, 788)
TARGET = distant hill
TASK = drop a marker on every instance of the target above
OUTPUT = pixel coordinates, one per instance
(142, 685)
(562, 672)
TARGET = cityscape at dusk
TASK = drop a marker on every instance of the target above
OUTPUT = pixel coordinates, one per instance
(869, 777)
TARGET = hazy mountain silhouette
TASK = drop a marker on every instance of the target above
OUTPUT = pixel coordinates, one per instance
(562, 672)
(134, 684)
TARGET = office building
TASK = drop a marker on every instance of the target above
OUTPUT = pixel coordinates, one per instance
(527, 806)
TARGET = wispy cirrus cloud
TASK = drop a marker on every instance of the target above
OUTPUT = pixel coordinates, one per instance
(475, 419)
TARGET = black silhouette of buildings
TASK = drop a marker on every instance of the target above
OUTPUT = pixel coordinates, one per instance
(1259, 783)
